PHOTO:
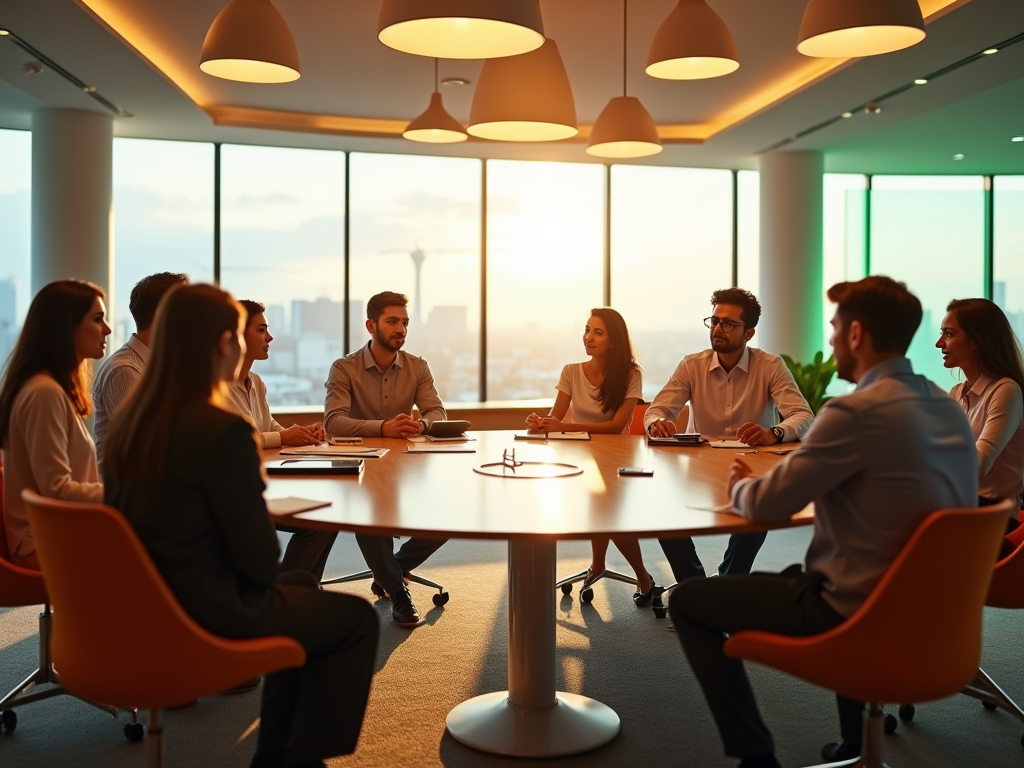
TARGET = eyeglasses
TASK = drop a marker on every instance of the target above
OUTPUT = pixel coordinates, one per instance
(727, 325)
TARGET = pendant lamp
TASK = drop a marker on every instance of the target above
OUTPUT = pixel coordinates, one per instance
(524, 98)
(693, 43)
(435, 126)
(852, 28)
(461, 29)
(624, 128)
(250, 41)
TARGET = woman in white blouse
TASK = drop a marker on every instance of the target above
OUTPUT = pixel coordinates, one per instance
(44, 397)
(599, 395)
(977, 338)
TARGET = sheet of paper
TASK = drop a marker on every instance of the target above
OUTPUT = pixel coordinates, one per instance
(719, 510)
(552, 436)
(291, 505)
(463, 438)
(334, 452)
(434, 448)
(728, 444)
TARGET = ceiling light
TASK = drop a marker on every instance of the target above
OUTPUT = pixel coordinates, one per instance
(250, 41)
(852, 28)
(959, 156)
(990, 51)
(1017, 139)
(693, 43)
(461, 29)
(524, 98)
(847, 114)
(455, 81)
(920, 81)
(435, 125)
(5, 31)
(624, 128)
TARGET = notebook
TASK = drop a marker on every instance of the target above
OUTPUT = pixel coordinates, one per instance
(315, 467)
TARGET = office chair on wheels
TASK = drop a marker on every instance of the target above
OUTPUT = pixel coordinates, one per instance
(440, 599)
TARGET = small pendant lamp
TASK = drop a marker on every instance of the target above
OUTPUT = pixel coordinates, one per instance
(435, 125)
(461, 29)
(249, 41)
(524, 98)
(693, 43)
(852, 28)
(624, 128)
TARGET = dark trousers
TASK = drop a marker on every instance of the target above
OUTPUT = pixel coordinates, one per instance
(315, 711)
(738, 560)
(307, 550)
(704, 611)
(388, 565)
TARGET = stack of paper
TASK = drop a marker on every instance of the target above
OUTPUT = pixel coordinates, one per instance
(552, 436)
(334, 452)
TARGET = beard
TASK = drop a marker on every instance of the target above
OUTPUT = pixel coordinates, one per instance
(391, 344)
(725, 347)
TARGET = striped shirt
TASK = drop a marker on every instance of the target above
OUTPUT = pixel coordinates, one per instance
(115, 381)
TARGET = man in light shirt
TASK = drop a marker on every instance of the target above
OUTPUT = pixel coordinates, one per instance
(122, 371)
(876, 463)
(733, 391)
(371, 393)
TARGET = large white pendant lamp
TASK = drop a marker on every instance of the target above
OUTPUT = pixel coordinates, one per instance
(461, 29)
(624, 128)
(852, 28)
(524, 98)
(693, 43)
(250, 41)
(435, 125)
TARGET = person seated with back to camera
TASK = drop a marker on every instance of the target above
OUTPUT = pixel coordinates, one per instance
(734, 391)
(599, 396)
(44, 399)
(307, 549)
(371, 393)
(185, 472)
(977, 338)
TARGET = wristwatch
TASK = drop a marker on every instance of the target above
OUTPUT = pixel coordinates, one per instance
(779, 433)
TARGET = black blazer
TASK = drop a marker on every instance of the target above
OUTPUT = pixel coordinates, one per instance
(206, 524)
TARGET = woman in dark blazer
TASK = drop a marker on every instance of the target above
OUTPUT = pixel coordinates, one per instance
(187, 475)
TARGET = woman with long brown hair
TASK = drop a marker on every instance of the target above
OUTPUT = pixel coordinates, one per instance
(44, 399)
(599, 396)
(977, 338)
(186, 474)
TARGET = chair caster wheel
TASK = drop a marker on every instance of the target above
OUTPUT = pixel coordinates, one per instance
(8, 720)
(567, 589)
(989, 705)
(660, 613)
(891, 724)
(134, 732)
(1022, 741)
(587, 595)
(441, 599)
(907, 712)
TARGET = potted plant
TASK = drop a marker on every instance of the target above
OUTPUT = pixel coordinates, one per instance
(813, 378)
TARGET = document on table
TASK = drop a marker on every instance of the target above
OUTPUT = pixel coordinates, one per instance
(728, 444)
(463, 438)
(721, 509)
(334, 451)
(290, 505)
(434, 448)
(552, 436)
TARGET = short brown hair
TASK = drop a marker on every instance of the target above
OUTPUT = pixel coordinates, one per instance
(742, 298)
(884, 307)
(146, 295)
(377, 304)
(251, 308)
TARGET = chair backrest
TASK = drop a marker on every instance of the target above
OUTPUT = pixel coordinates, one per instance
(1007, 587)
(18, 586)
(637, 425)
(119, 634)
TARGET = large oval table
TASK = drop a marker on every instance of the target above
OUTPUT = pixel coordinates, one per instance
(440, 496)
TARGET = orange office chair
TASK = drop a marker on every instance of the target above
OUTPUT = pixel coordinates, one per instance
(18, 587)
(119, 634)
(918, 635)
(1005, 591)
(636, 427)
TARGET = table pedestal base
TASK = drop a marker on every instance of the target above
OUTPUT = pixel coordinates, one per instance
(574, 724)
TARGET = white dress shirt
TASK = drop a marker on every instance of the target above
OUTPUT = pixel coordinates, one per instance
(996, 412)
(251, 404)
(115, 381)
(721, 402)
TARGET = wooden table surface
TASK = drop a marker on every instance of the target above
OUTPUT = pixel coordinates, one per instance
(439, 495)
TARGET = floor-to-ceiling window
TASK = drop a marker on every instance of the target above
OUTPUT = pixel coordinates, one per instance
(15, 224)
(671, 247)
(163, 217)
(748, 230)
(415, 229)
(283, 245)
(1008, 248)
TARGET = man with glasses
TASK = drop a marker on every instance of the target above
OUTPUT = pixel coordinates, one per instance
(733, 391)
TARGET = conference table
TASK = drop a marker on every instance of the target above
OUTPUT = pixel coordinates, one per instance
(440, 495)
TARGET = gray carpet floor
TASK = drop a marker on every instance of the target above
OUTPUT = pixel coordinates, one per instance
(610, 650)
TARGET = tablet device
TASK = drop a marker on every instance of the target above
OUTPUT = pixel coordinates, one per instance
(315, 467)
(451, 428)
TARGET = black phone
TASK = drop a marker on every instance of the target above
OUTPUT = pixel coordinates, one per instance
(637, 471)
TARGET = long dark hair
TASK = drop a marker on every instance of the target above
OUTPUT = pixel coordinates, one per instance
(621, 359)
(47, 344)
(180, 372)
(999, 353)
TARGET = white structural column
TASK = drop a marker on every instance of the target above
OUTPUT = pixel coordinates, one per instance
(72, 157)
(791, 252)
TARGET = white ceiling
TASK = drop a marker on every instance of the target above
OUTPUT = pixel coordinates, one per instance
(347, 72)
